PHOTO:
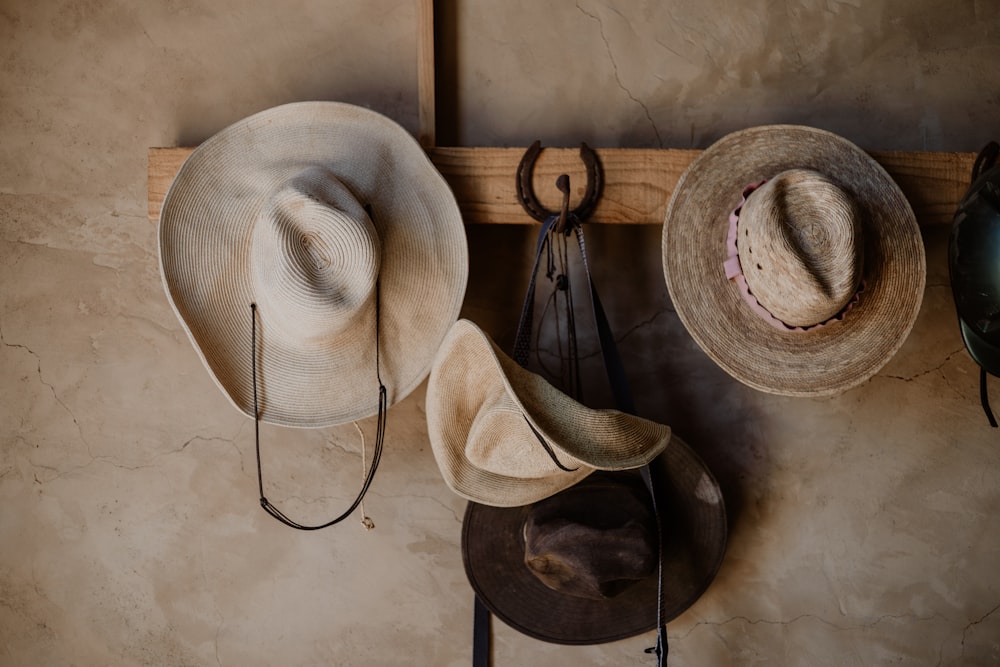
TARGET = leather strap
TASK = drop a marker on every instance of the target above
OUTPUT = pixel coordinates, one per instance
(522, 339)
(480, 635)
(266, 504)
(623, 399)
(661, 647)
(609, 349)
(984, 397)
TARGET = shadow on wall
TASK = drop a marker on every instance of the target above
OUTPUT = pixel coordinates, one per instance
(672, 380)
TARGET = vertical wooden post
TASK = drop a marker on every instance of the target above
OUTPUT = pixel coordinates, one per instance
(425, 72)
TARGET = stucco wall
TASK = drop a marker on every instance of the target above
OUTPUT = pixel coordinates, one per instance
(863, 526)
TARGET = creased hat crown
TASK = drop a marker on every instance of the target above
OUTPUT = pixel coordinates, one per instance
(731, 309)
(801, 247)
(315, 257)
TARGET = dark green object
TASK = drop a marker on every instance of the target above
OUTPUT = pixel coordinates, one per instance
(974, 267)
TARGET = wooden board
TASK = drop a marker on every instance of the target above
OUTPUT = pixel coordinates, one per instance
(425, 72)
(638, 182)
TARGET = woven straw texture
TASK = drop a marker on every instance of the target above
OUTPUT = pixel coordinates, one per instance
(479, 406)
(693, 518)
(823, 361)
(807, 235)
(270, 211)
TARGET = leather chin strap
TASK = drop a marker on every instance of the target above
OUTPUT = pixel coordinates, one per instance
(379, 433)
(984, 397)
(376, 455)
(624, 402)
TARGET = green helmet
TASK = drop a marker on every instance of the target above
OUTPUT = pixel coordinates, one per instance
(974, 267)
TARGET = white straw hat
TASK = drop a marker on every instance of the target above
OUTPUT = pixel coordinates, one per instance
(503, 436)
(793, 259)
(325, 215)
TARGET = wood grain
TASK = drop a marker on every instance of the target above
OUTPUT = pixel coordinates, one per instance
(162, 165)
(638, 182)
(425, 73)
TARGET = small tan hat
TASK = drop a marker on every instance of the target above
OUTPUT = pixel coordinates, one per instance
(793, 259)
(503, 436)
(321, 214)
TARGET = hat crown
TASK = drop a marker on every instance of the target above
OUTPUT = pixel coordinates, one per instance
(316, 257)
(593, 540)
(800, 246)
(500, 441)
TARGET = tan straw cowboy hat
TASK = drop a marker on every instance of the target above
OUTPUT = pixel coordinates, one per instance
(334, 223)
(793, 259)
(503, 436)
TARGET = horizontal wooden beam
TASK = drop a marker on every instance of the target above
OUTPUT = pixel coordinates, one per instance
(638, 182)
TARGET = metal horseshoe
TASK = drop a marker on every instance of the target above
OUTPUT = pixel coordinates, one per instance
(526, 191)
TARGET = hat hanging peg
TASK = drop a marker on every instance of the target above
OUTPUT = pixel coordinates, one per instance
(591, 195)
(562, 183)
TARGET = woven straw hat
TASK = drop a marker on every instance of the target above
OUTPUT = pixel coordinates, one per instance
(538, 566)
(824, 252)
(500, 432)
(274, 210)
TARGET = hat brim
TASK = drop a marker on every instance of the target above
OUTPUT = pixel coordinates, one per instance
(824, 361)
(983, 352)
(205, 252)
(469, 369)
(693, 517)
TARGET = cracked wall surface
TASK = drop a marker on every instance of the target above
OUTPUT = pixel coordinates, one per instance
(862, 527)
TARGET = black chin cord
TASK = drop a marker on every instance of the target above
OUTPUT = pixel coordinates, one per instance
(984, 397)
(379, 434)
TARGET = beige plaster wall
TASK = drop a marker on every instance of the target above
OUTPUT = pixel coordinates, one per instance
(864, 526)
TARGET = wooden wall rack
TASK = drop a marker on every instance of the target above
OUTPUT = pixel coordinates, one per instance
(638, 182)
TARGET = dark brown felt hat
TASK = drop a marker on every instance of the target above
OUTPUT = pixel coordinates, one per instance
(501, 545)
